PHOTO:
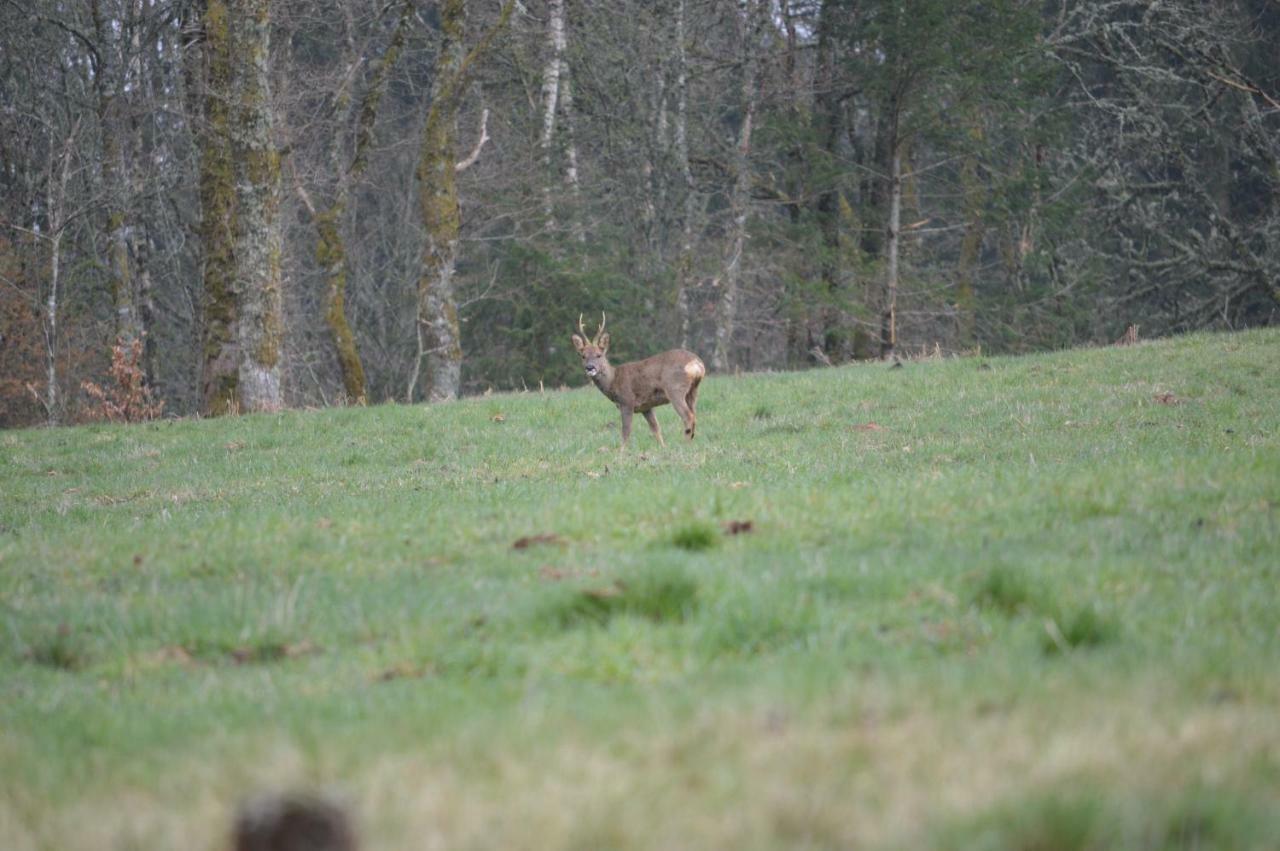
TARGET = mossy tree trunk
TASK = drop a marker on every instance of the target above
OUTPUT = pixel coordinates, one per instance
(240, 201)
(439, 334)
(331, 252)
(220, 376)
(109, 85)
(259, 238)
(442, 218)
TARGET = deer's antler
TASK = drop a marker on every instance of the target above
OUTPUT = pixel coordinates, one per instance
(595, 341)
(581, 330)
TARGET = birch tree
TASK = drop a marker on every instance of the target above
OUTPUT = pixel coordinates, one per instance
(551, 101)
(557, 114)
(56, 220)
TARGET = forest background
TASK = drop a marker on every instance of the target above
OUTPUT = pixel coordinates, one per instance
(210, 206)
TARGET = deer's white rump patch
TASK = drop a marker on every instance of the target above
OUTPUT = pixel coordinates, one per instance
(694, 369)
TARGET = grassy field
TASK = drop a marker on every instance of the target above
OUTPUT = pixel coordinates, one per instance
(1025, 603)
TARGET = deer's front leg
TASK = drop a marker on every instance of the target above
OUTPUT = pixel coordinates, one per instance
(652, 419)
(626, 424)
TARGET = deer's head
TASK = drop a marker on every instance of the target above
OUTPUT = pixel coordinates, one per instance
(593, 352)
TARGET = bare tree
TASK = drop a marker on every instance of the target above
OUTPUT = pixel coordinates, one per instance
(331, 251)
(773, 182)
(439, 333)
(1179, 124)
(684, 265)
(751, 20)
(56, 220)
(110, 68)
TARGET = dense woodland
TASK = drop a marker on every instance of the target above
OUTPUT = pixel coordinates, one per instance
(210, 206)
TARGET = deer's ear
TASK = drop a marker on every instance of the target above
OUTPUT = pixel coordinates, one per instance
(579, 343)
(604, 341)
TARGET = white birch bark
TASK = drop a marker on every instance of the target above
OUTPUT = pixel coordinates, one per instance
(551, 90)
(55, 201)
(51, 400)
(652, 152)
(571, 144)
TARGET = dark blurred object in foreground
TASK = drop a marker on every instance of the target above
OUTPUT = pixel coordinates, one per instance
(293, 823)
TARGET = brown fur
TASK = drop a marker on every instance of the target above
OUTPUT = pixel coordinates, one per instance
(640, 386)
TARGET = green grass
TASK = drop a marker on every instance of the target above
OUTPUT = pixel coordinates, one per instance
(1034, 606)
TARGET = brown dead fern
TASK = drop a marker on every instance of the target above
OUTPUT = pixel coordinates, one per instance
(127, 398)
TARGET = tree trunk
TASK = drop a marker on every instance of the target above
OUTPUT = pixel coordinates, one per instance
(684, 268)
(124, 293)
(259, 237)
(550, 102)
(331, 251)
(143, 249)
(439, 334)
(971, 244)
(331, 254)
(889, 318)
(219, 374)
(240, 199)
(653, 154)
(568, 122)
(827, 128)
(441, 216)
(51, 400)
(110, 69)
(726, 315)
(150, 79)
(55, 202)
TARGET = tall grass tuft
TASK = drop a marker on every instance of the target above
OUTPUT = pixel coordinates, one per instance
(1084, 627)
(658, 594)
(696, 537)
(1004, 589)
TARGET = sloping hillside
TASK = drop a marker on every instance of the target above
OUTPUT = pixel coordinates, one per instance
(988, 603)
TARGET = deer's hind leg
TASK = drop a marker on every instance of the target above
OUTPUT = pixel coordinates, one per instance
(686, 407)
(692, 396)
(683, 408)
(652, 420)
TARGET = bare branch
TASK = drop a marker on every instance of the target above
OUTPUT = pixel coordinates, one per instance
(475, 152)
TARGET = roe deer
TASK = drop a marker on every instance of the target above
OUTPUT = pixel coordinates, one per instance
(643, 385)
